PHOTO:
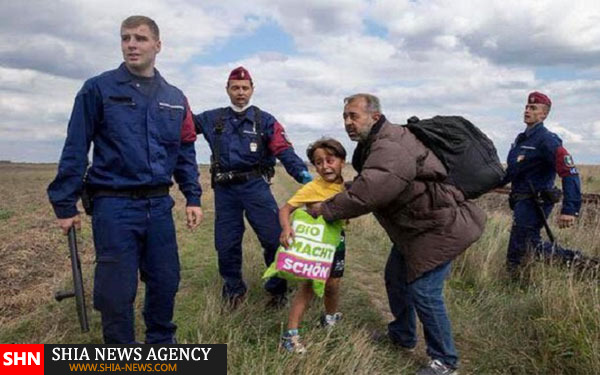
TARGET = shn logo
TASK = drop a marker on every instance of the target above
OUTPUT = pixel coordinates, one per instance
(21, 358)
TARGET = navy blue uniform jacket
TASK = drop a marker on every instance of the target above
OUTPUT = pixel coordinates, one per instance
(537, 156)
(139, 141)
(240, 148)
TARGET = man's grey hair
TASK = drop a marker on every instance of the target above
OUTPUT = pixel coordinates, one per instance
(373, 104)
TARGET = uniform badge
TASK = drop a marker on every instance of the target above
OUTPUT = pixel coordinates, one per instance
(253, 146)
(520, 158)
(569, 161)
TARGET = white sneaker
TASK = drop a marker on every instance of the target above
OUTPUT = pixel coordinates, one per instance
(330, 320)
(437, 367)
(292, 344)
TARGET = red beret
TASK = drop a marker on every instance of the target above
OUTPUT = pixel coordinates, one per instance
(539, 98)
(239, 74)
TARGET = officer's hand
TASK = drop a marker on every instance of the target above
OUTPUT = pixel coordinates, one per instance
(287, 237)
(194, 216)
(565, 221)
(305, 177)
(65, 224)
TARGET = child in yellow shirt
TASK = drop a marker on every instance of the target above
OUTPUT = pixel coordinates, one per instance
(328, 156)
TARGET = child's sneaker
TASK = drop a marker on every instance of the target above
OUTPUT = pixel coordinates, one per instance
(292, 344)
(436, 367)
(329, 320)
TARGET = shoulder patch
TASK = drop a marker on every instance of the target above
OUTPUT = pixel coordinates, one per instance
(285, 136)
(565, 165)
(568, 160)
(279, 141)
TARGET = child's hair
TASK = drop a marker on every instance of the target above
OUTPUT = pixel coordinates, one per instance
(333, 147)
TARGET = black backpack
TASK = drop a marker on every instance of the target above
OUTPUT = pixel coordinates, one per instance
(467, 153)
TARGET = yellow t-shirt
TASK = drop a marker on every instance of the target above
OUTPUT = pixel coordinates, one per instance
(317, 190)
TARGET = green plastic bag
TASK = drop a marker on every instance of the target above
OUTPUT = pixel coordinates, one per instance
(310, 256)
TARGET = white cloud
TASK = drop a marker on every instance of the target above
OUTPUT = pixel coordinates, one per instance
(505, 31)
(35, 105)
(438, 57)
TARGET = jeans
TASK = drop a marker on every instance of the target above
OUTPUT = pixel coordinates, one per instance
(423, 298)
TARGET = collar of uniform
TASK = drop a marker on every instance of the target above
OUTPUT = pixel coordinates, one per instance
(125, 76)
(529, 132)
(247, 114)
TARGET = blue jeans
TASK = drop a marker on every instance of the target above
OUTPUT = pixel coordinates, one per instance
(423, 298)
(131, 236)
(525, 235)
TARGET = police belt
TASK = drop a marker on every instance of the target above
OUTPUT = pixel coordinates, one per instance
(236, 177)
(139, 193)
(520, 196)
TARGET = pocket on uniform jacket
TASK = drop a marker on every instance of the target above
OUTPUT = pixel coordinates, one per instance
(120, 115)
(251, 143)
(526, 153)
(171, 116)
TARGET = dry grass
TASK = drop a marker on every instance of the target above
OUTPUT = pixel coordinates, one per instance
(548, 324)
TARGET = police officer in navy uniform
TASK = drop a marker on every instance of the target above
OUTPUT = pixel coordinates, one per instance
(245, 141)
(143, 135)
(535, 158)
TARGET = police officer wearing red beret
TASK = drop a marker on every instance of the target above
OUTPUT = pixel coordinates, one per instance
(245, 141)
(535, 158)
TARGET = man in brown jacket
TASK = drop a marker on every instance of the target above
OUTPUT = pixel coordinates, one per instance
(429, 222)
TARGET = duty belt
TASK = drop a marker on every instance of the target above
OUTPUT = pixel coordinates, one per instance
(139, 193)
(520, 196)
(235, 177)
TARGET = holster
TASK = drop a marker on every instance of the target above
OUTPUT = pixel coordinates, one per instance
(87, 200)
(268, 172)
(552, 195)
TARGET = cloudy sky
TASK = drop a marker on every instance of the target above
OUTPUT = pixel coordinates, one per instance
(478, 59)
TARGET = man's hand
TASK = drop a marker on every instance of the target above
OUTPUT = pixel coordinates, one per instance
(65, 224)
(565, 221)
(287, 237)
(194, 216)
(314, 209)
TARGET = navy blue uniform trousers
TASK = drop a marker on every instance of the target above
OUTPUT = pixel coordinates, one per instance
(132, 235)
(525, 235)
(253, 198)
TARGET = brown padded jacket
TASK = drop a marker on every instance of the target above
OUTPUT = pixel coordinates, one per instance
(430, 222)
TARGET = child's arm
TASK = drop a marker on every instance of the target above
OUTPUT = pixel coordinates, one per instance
(287, 232)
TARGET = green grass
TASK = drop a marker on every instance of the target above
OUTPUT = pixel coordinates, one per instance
(5, 214)
(549, 323)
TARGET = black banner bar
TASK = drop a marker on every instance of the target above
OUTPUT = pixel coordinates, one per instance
(184, 359)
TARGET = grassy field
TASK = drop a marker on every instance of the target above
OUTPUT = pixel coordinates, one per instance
(547, 324)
